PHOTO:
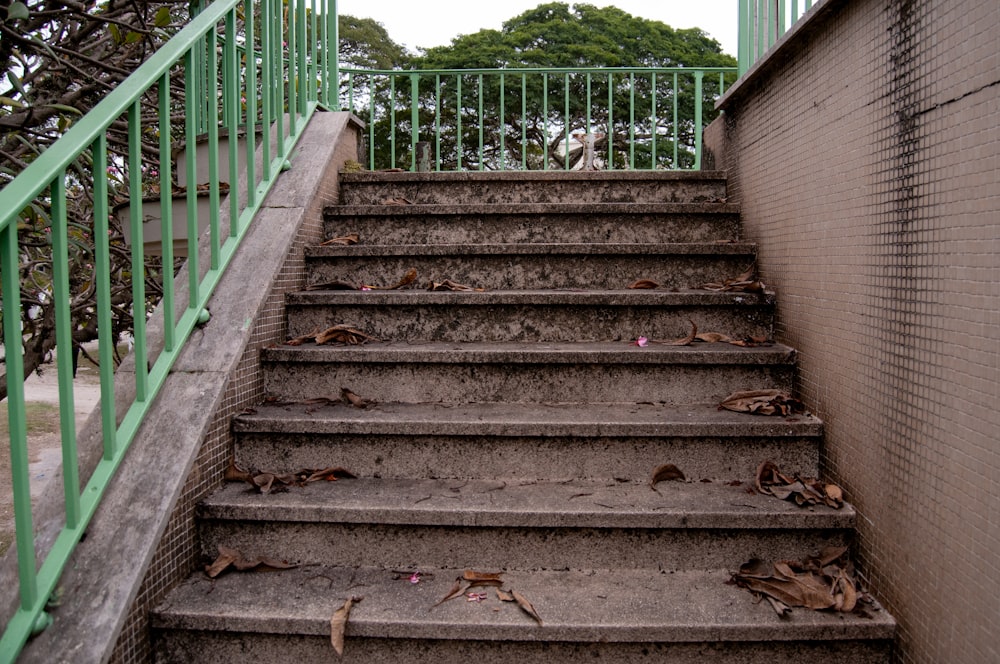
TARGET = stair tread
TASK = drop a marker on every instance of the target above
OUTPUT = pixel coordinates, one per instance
(589, 606)
(536, 248)
(524, 419)
(533, 353)
(541, 297)
(708, 207)
(629, 503)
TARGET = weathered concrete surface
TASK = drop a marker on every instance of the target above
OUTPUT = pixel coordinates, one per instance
(651, 187)
(105, 572)
(534, 222)
(657, 615)
(531, 316)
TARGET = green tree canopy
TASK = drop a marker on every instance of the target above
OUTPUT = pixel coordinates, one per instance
(555, 35)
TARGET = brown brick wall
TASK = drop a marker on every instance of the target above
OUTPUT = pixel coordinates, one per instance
(866, 158)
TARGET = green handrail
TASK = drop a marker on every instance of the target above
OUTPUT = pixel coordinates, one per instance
(762, 23)
(468, 113)
(294, 80)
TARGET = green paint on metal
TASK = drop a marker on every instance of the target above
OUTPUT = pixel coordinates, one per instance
(47, 176)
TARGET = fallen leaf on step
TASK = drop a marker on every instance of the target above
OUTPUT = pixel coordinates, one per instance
(449, 285)
(763, 402)
(504, 596)
(744, 283)
(456, 591)
(686, 340)
(474, 578)
(526, 606)
(343, 240)
(268, 482)
(398, 200)
(344, 334)
(712, 338)
(644, 284)
(664, 473)
(806, 491)
(823, 582)
(353, 399)
(338, 624)
(406, 280)
(333, 285)
(229, 557)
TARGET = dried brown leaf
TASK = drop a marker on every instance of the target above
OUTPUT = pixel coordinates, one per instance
(763, 402)
(344, 334)
(334, 285)
(804, 491)
(406, 280)
(504, 596)
(482, 577)
(398, 200)
(644, 284)
(353, 399)
(229, 557)
(449, 285)
(331, 474)
(526, 606)
(343, 240)
(713, 337)
(338, 624)
(686, 341)
(664, 473)
(457, 589)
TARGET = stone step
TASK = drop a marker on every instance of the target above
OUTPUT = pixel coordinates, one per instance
(501, 188)
(533, 266)
(525, 373)
(518, 525)
(541, 315)
(534, 223)
(621, 616)
(514, 442)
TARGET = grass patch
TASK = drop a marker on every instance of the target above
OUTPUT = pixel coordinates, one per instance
(40, 417)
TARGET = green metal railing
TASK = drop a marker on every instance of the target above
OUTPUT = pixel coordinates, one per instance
(293, 74)
(762, 23)
(497, 119)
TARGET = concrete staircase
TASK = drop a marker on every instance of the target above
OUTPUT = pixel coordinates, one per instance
(516, 429)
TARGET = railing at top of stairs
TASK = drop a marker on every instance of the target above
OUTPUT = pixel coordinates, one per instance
(294, 74)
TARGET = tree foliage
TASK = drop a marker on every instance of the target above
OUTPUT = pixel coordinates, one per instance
(58, 59)
(557, 35)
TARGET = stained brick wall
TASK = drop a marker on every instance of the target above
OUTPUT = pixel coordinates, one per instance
(866, 157)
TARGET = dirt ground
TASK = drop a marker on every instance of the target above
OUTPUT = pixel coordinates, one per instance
(44, 455)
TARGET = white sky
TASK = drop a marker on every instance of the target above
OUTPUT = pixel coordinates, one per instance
(426, 23)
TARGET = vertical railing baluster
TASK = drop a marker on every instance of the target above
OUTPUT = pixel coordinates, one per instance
(480, 80)
(414, 118)
(458, 120)
(545, 120)
(631, 121)
(64, 333)
(17, 428)
(249, 91)
(102, 281)
(566, 118)
(524, 121)
(611, 121)
(213, 151)
(501, 124)
(135, 191)
(675, 132)
(653, 124)
(190, 139)
(437, 122)
(166, 214)
(392, 121)
(231, 89)
(698, 119)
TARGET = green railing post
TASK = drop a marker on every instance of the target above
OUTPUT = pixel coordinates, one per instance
(698, 78)
(414, 118)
